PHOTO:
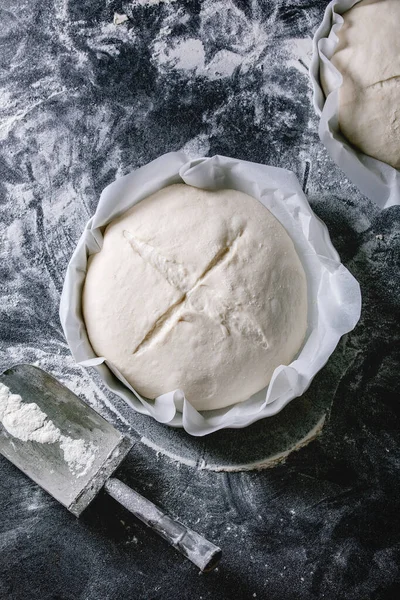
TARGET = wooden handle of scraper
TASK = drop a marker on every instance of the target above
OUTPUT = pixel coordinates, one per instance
(200, 551)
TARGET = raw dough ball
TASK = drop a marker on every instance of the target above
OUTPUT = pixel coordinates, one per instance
(198, 290)
(368, 57)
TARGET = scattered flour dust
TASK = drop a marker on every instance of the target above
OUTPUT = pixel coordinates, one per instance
(151, 2)
(300, 52)
(27, 422)
(190, 55)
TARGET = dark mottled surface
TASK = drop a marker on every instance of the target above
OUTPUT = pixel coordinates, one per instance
(84, 101)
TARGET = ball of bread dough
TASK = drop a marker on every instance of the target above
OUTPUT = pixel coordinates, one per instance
(198, 290)
(368, 57)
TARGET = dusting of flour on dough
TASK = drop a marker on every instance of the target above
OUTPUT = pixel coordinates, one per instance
(28, 423)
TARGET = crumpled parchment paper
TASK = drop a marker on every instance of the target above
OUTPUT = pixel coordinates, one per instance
(334, 295)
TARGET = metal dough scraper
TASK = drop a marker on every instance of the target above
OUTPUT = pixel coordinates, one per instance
(79, 431)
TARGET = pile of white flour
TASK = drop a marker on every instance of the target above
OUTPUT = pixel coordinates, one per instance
(27, 422)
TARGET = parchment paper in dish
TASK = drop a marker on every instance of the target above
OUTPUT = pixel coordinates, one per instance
(377, 180)
(334, 294)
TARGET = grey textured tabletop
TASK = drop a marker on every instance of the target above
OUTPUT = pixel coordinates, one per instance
(86, 98)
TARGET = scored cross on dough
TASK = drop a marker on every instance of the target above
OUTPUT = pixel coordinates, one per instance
(178, 276)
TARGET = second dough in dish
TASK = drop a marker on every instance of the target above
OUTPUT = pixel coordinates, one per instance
(198, 290)
(368, 57)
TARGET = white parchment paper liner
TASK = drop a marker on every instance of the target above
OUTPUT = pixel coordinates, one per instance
(377, 180)
(334, 294)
